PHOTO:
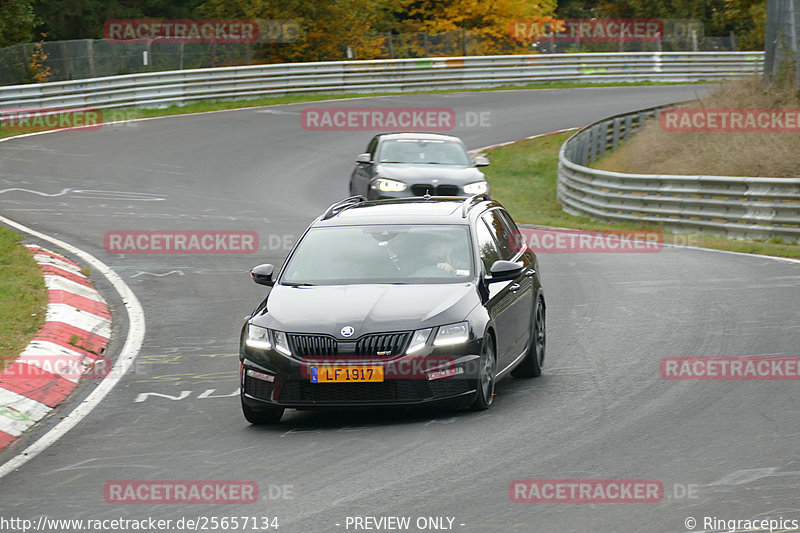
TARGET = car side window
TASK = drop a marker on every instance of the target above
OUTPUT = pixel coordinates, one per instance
(515, 241)
(500, 232)
(373, 144)
(487, 248)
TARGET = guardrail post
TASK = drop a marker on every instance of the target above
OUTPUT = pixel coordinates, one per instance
(615, 138)
(90, 56)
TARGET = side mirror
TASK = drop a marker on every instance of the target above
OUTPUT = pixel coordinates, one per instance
(481, 161)
(262, 274)
(504, 271)
(364, 158)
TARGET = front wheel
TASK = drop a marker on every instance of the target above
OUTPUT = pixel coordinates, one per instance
(531, 366)
(486, 377)
(267, 415)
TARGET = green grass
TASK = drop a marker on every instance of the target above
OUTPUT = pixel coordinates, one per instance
(23, 296)
(206, 106)
(523, 177)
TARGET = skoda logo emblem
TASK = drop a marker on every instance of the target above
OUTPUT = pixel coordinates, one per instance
(348, 331)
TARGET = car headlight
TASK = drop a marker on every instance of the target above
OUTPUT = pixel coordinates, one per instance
(387, 185)
(452, 334)
(281, 342)
(479, 187)
(419, 340)
(257, 337)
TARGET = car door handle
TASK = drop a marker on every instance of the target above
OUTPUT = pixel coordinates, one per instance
(514, 287)
(530, 272)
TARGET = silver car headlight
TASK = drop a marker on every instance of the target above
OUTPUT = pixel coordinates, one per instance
(281, 342)
(452, 334)
(419, 340)
(257, 337)
(387, 185)
(479, 187)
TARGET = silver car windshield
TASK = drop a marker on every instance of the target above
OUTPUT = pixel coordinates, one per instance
(381, 254)
(433, 152)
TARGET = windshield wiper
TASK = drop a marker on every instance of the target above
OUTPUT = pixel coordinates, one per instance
(296, 284)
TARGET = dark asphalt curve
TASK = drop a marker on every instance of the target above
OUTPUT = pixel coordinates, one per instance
(722, 449)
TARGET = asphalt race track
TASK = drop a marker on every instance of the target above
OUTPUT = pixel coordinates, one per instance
(724, 449)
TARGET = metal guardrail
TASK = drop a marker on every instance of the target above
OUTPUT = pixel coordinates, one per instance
(161, 89)
(756, 208)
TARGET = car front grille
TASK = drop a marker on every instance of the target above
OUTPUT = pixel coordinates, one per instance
(378, 344)
(300, 392)
(305, 345)
(441, 190)
(384, 344)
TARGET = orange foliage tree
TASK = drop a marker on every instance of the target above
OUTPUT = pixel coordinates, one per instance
(327, 28)
(489, 21)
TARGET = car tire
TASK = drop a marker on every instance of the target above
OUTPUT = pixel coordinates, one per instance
(531, 366)
(267, 415)
(486, 377)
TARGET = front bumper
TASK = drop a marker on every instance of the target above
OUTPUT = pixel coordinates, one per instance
(408, 380)
(419, 189)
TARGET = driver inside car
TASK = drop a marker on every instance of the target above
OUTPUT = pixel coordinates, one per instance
(441, 254)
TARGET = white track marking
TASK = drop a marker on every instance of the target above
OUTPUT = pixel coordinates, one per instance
(16, 189)
(133, 343)
(29, 411)
(44, 259)
(59, 283)
(79, 318)
(140, 273)
(55, 359)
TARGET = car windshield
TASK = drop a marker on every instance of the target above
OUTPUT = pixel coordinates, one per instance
(381, 254)
(434, 152)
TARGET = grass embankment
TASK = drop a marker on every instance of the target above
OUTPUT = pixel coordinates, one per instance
(759, 154)
(23, 296)
(524, 179)
(112, 115)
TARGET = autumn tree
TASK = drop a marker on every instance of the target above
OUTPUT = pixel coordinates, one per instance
(746, 18)
(488, 21)
(17, 20)
(327, 28)
(84, 19)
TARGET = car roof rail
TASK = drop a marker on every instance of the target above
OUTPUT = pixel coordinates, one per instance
(467, 205)
(341, 205)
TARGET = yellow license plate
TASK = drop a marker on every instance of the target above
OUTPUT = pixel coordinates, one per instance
(346, 374)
